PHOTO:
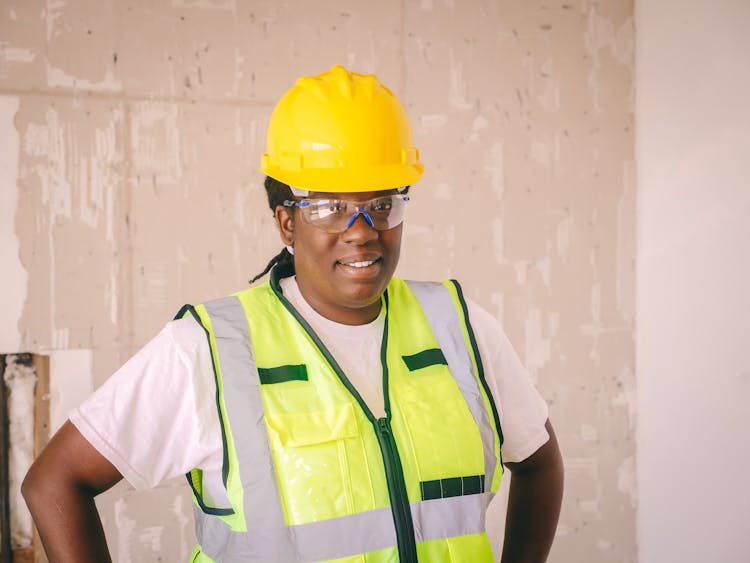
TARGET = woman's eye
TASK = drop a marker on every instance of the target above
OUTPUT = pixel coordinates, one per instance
(382, 205)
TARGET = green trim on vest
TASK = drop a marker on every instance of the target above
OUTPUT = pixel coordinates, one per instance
(452, 487)
(457, 292)
(425, 358)
(195, 476)
(280, 374)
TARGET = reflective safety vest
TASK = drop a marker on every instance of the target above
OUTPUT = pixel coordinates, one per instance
(310, 474)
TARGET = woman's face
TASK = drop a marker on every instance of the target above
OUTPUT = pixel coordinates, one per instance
(342, 276)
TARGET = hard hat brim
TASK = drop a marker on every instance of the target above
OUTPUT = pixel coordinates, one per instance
(343, 180)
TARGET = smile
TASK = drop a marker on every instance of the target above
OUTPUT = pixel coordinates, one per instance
(359, 264)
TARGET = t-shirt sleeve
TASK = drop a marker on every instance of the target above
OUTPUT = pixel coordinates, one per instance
(522, 410)
(155, 418)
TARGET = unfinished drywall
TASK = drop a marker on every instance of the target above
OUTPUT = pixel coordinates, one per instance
(14, 278)
(139, 128)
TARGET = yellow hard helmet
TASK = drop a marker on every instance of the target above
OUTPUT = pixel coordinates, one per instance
(340, 131)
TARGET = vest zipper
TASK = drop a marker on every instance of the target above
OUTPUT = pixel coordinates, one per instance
(394, 475)
(407, 549)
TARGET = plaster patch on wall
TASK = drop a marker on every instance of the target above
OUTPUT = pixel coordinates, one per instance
(625, 278)
(541, 153)
(54, 11)
(95, 177)
(538, 345)
(595, 327)
(444, 191)
(155, 142)
(601, 34)
(596, 302)
(70, 169)
(14, 55)
(627, 397)
(480, 122)
(58, 78)
(586, 465)
(592, 506)
(237, 246)
(432, 122)
(71, 382)
(239, 207)
(14, 274)
(626, 481)
(457, 90)
(494, 165)
(125, 526)
(544, 267)
(521, 269)
(588, 433)
(497, 298)
(47, 142)
(498, 240)
(183, 517)
(549, 95)
(562, 237)
(111, 292)
(419, 231)
(223, 5)
(154, 279)
(151, 536)
(60, 335)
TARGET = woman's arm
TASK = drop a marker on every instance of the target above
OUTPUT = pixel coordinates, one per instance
(59, 490)
(536, 488)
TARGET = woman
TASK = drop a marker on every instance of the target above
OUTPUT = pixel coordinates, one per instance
(334, 412)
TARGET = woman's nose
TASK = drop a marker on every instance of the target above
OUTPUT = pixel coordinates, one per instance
(360, 228)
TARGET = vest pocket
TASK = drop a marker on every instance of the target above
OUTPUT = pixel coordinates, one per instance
(310, 454)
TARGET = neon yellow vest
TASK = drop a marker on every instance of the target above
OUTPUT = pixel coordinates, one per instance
(311, 474)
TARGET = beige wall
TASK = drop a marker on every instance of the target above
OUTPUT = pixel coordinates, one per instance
(130, 137)
(693, 343)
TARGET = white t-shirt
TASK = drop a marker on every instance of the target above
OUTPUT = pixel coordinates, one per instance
(156, 417)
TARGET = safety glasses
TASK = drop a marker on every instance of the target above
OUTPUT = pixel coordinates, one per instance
(337, 215)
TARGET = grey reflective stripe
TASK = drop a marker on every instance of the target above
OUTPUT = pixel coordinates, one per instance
(317, 541)
(442, 316)
(222, 545)
(268, 538)
(264, 513)
(346, 536)
(450, 517)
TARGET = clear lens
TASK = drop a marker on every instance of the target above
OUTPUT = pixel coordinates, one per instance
(336, 215)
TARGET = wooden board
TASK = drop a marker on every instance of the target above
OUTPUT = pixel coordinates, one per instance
(23, 555)
(41, 433)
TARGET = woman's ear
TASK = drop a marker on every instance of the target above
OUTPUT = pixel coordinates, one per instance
(285, 222)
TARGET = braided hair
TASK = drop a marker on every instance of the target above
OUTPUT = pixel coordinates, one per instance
(277, 193)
